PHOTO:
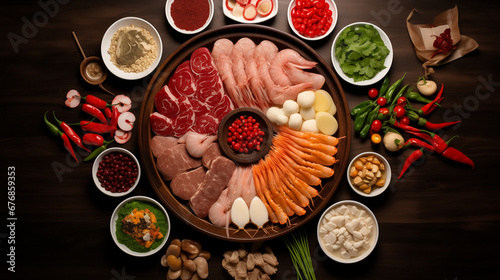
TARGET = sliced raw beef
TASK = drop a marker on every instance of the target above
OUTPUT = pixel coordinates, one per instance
(170, 103)
(161, 125)
(175, 161)
(161, 143)
(200, 108)
(206, 124)
(210, 90)
(210, 155)
(202, 63)
(183, 80)
(186, 184)
(223, 108)
(213, 184)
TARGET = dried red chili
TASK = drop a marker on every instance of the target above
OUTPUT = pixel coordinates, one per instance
(443, 43)
(189, 14)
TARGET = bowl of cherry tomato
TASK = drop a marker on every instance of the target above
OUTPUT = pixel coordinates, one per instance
(312, 19)
(245, 135)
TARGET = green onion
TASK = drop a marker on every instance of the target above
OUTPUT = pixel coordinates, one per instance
(301, 256)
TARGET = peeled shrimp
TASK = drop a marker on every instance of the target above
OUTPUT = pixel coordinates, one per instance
(248, 186)
(287, 58)
(221, 46)
(197, 144)
(276, 93)
(298, 76)
(225, 67)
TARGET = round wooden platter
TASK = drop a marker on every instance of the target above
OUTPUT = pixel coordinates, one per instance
(257, 33)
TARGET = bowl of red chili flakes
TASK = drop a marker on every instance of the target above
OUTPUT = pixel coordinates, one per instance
(189, 16)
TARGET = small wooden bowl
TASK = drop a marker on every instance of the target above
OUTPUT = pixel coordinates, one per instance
(83, 70)
(265, 125)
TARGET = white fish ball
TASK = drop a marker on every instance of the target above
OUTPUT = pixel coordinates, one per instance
(290, 107)
(306, 98)
(295, 121)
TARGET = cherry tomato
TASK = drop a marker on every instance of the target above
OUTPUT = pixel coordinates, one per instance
(383, 111)
(311, 18)
(381, 101)
(399, 111)
(376, 138)
(373, 93)
(401, 100)
(404, 120)
(376, 125)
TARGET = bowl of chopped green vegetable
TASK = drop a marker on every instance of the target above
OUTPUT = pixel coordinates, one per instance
(362, 53)
(140, 226)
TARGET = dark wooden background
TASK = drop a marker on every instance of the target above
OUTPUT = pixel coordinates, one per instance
(442, 221)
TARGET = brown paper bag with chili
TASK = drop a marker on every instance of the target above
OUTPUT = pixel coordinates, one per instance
(424, 36)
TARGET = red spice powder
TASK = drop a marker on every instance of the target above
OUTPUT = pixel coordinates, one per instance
(190, 14)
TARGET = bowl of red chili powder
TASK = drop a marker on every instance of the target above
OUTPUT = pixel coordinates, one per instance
(189, 16)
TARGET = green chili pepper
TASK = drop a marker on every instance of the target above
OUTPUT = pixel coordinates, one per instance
(371, 117)
(52, 127)
(97, 151)
(384, 87)
(400, 93)
(392, 89)
(359, 107)
(359, 122)
(417, 97)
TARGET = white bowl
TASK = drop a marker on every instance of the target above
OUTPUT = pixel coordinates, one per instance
(170, 20)
(372, 237)
(106, 42)
(379, 75)
(95, 167)
(377, 190)
(258, 19)
(335, 15)
(114, 218)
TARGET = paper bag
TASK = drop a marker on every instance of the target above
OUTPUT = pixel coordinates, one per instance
(424, 35)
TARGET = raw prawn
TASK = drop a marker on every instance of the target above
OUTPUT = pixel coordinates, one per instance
(267, 49)
(298, 76)
(224, 65)
(221, 46)
(305, 153)
(276, 93)
(264, 194)
(197, 144)
(284, 59)
(248, 186)
(310, 136)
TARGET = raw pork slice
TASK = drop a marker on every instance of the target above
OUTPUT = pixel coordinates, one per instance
(210, 155)
(186, 184)
(213, 184)
(161, 143)
(174, 161)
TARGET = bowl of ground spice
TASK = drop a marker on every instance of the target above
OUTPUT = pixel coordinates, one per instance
(131, 48)
(140, 226)
(189, 16)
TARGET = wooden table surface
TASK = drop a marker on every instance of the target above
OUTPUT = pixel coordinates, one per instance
(441, 221)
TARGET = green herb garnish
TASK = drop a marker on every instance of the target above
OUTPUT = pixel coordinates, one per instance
(361, 52)
(301, 256)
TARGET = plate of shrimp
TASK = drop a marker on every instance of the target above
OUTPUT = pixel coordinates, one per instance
(302, 170)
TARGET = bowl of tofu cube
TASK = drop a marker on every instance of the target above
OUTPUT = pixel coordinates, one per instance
(369, 174)
(347, 231)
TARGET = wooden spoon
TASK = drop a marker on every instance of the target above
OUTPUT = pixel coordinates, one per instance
(92, 68)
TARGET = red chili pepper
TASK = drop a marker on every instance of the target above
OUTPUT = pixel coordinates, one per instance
(428, 108)
(403, 126)
(436, 126)
(96, 127)
(416, 155)
(70, 133)
(108, 113)
(458, 156)
(420, 134)
(95, 112)
(96, 101)
(114, 118)
(68, 146)
(94, 139)
(414, 142)
(434, 106)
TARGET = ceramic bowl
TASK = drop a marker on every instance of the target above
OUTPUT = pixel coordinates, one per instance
(264, 124)
(379, 75)
(114, 218)
(229, 14)
(106, 43)
(333, 8)
(362, 213)
(95, 167)
(170, 20)
(375, 191)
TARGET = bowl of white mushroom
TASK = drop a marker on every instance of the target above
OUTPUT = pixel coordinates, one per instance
(347, 231)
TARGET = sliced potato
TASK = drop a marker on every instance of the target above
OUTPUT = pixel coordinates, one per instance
(324, 102)
(326, 123)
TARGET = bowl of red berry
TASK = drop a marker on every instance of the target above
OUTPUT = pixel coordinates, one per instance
(245, 135)
(116, 172)
(312, 20)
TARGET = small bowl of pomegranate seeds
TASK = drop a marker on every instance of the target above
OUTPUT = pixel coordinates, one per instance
(245, 135)
(116, 172)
